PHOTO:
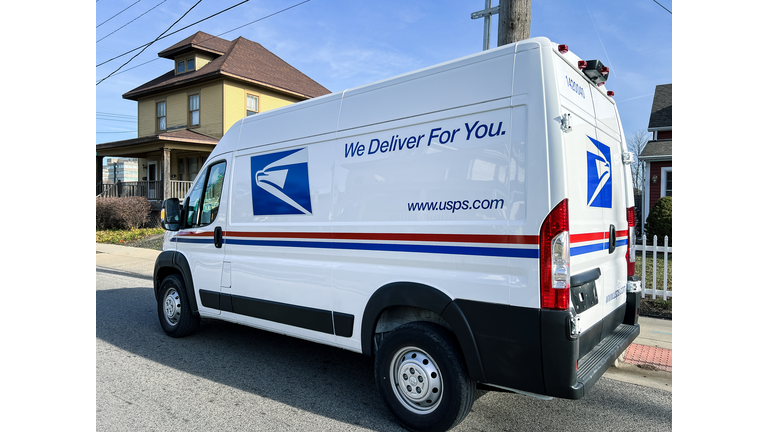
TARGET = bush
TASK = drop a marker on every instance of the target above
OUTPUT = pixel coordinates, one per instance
(659, 222)
(121, 213)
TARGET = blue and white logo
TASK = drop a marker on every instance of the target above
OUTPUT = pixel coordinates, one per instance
(280, 183)
(599, 184)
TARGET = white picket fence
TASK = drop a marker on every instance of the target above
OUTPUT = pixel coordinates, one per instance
(654, 287)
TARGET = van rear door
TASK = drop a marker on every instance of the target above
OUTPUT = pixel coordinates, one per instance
(597, 207)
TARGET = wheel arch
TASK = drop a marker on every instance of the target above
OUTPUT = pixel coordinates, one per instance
(173, 262)
(420, 296)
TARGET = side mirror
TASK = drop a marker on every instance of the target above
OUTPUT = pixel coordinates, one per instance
(170, 218)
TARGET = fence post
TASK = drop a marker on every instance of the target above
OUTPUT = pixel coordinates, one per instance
(645, 261)
(654, 266)
(666, 251)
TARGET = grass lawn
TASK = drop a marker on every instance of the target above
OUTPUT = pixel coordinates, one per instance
(649, 264)
(125, 236)
(657, 307)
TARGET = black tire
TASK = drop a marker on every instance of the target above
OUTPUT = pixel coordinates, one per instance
(174, 308)
(422, 377)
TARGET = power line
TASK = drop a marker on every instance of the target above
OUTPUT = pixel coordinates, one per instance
(221, 34)
(263, 18)
(118, 14)
(172, 33)
(670, 12)
(147, 46)
(131, 21)
(115, 114)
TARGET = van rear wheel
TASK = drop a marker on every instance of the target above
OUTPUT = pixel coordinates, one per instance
(174, 308)
(422, 377)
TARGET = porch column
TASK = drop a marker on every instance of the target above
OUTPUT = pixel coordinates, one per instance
(166, 173)
(98, 173)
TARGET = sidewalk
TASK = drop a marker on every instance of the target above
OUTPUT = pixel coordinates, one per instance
(647, 362)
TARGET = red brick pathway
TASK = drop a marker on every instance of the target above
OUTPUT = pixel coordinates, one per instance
(641, 354)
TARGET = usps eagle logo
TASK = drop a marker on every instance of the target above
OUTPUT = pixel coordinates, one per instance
(599, 183)
(280, 183)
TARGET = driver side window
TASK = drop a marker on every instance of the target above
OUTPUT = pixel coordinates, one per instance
(203, 202)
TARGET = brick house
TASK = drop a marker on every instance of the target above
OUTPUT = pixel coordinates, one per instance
(183, 113)
(656, 157)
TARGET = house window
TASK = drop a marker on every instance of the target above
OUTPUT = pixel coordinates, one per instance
(194, 110)
(190, 64)
(180, 67)
(161, 116)
(252, 105)
(666, 182)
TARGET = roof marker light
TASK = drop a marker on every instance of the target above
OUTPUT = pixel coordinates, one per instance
(610, 93)
(562, 48)
(582, 64)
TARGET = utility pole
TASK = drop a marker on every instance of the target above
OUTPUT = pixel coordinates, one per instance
(514, 21)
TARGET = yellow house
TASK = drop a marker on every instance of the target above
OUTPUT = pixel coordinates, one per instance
(183, 113)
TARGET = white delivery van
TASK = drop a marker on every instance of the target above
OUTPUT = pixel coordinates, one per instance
(468, 224)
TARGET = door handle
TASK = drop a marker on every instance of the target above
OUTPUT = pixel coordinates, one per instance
(612, 240)
(218, 237)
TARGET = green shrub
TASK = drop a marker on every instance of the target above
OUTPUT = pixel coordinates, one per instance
(659, 222)
(121, 213)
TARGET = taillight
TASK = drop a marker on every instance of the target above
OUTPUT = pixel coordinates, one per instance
(631, 242)
(555, 259)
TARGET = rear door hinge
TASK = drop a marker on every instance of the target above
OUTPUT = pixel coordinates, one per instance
(565, 123)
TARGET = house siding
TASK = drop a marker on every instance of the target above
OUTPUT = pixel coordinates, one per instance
(235, 103)
(147, 117)
(211, 111)
(176, 110)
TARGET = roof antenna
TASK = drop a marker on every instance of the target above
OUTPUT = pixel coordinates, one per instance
(600, 39)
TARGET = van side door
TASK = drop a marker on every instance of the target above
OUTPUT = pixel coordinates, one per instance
(201, 241)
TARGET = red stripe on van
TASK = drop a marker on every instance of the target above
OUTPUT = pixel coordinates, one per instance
(579, 238)
(442, 238)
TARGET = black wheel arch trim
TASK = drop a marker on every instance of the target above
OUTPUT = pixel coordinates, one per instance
(178, 262)
(425, 297)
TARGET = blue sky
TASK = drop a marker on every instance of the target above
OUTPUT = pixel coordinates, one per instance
(344, 43)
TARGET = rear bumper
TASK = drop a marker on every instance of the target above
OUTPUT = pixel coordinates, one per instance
(532, 350)
(576, 382)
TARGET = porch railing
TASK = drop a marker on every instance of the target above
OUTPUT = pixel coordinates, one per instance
(179, 188)
(151, 190)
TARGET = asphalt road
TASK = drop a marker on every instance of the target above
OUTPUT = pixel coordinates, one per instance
(228, 377)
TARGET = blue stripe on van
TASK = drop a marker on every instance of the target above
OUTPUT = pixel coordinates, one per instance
(581, 250)
(438, 249)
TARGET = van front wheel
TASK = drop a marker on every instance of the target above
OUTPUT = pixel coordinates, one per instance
(174, 310)
(422, 378)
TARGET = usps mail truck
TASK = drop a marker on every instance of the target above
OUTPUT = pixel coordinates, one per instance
(468, 224)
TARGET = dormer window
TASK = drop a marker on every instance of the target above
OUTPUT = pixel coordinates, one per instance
(187, 65)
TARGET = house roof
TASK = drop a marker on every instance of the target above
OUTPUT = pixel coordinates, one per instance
(240, 59)
(661, 110)
(182, 136)
(657, 150)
